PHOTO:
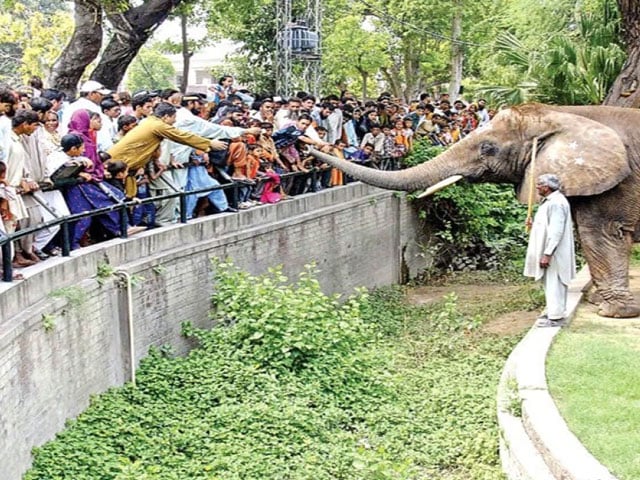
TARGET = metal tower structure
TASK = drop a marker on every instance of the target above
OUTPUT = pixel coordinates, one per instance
(298, 47)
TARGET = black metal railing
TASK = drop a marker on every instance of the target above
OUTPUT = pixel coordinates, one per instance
(122, 209)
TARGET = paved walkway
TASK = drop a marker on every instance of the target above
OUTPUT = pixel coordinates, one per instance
(535, 442)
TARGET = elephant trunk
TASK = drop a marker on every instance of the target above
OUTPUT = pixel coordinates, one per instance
(411, 179)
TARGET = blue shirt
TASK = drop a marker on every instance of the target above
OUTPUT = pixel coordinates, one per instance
(287, 136)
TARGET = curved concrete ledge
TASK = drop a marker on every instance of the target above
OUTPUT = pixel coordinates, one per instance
(535, 441)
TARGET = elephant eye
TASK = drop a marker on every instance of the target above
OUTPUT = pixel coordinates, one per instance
(488, 149)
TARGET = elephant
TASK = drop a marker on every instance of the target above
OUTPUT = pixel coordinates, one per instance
(594, 150)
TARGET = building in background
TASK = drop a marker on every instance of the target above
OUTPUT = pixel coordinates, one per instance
(201, 64)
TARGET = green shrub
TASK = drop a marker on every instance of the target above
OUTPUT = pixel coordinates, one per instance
(476, 226)
(284, 326)
(479, 227)
(422, 151)
(291, 383)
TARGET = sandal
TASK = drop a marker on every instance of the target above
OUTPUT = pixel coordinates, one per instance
(15, 276)
(54, 252)
(549, 322)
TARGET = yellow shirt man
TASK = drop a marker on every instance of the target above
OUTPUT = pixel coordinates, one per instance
(138, 146)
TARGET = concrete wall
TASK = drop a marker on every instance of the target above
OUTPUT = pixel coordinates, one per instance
(64, 330)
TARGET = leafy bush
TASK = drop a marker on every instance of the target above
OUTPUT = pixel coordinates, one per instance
(422, 151)
(476, 226)
(479, 227)
(292, 384)
(281, 326)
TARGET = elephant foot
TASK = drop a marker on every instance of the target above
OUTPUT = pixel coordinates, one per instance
(618, 309)
(617, 303)
(594, 297)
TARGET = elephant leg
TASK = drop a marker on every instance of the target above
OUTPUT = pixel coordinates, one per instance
(607, 248)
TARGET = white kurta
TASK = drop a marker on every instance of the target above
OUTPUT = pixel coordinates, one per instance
(5, 130)
(195, 177)
(552, 234)
(16, 160)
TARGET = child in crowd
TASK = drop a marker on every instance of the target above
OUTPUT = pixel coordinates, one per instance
(118, 172)
(269, 151)
(407, 134)
(144, 214)
(269, 188)
(375, 138)
(245, 168)
(337, 177)
(363, 155)
(126, 123)
(322, 133)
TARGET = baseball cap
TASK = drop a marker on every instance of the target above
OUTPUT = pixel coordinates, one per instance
(93, 86)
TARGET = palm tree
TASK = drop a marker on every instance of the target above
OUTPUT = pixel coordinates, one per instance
(576, 66)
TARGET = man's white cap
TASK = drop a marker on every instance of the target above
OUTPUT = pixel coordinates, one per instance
(93, 86)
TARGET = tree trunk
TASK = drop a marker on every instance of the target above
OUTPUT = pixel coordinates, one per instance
(457, 53)
(82, 49)
(365, 93)
(411, 73)
(186, 54)
(131, 31)
(392, 80)
(365, 77)
(625, 91)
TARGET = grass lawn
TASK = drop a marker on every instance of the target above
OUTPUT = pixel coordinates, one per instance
(594, 377)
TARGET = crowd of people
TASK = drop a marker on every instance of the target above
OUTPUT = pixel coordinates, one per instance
(60, 157)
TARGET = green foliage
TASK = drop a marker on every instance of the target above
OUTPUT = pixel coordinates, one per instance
(32, 36)
(562, 51)
(104, 271)
(480, 226)
(357, 70)
(513, 401)
(422, 151)
(291, 384)
(74, 295)
(48, 322)
(572, 56)
(284, 326)
(255, 74)
(159, 269)
(253, 23)
(150, 70)
(475, 226)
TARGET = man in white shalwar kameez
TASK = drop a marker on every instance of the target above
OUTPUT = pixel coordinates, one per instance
(550, 253)
(37, 165)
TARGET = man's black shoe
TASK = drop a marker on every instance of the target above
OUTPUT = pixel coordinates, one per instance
(230, 210)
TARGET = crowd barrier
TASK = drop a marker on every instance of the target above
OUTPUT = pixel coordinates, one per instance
(122, 207)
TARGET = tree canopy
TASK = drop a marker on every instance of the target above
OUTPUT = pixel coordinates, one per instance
(556, 51)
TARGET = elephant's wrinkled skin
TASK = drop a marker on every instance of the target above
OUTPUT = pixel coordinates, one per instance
(594, 150)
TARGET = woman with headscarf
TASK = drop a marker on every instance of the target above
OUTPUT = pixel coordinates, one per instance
(94, 193)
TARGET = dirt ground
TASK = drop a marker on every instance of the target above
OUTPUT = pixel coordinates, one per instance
(587, 313)
(518, 321)
(504, 324)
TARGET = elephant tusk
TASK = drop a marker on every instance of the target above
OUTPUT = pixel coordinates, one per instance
(440, 185)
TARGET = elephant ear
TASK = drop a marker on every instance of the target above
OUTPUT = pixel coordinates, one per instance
(587, 156)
